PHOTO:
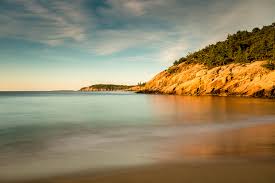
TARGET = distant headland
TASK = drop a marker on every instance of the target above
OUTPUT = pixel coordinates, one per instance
(106, 87)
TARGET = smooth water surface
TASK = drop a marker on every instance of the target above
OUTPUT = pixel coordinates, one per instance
(51, 133)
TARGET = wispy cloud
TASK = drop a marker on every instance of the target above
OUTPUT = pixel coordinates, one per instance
(186, 25)
(130, 8)
(52, 22)
(112, 41)
(168, 28)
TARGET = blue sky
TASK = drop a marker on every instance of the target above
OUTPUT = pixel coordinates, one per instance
(67, 44)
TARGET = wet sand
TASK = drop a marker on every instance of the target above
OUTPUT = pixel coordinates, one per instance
(242, 155)
(215, 171)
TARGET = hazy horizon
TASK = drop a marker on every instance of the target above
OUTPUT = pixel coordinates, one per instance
(66, 45)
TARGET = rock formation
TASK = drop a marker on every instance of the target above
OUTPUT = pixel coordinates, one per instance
(196, 79)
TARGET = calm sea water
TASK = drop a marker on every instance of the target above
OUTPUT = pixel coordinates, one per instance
(49, 133)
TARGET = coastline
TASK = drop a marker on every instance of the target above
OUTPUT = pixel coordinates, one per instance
(149, 92)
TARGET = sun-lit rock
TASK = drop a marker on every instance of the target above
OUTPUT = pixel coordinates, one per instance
(196, 79)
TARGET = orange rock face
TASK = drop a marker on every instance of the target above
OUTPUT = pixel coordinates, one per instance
(233, 79)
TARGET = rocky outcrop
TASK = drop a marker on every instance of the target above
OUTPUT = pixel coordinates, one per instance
(195, 79)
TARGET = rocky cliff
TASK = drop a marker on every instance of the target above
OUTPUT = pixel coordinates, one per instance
(196, 79)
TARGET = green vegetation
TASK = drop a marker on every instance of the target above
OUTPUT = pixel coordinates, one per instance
(172, 70)
(242, 47)
(269, 65)
(109, 87)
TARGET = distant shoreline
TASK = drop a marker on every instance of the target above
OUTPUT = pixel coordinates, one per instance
(106, 87)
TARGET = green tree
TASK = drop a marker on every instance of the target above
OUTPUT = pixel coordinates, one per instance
(243, 46)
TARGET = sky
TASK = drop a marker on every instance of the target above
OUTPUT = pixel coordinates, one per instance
(68, 44)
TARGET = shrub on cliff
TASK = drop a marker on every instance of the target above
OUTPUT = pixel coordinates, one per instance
(270, 65)
(172, 69)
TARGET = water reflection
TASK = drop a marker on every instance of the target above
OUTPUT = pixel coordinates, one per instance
(207, 109)
(253, 141)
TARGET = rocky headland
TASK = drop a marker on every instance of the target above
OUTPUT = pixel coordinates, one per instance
(236, 79)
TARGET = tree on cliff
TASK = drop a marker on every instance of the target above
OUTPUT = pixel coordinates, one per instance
(242, 47)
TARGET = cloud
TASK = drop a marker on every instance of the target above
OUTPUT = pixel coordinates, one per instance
(51, 23)
(135, 7)
(113, 41)
(167, 29)
(173, 52)
(174, 28)
(130, 7)
(242, 15)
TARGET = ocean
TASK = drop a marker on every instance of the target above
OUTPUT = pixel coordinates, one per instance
(52, 133)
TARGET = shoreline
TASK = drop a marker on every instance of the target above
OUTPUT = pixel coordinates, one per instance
(150, 92)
